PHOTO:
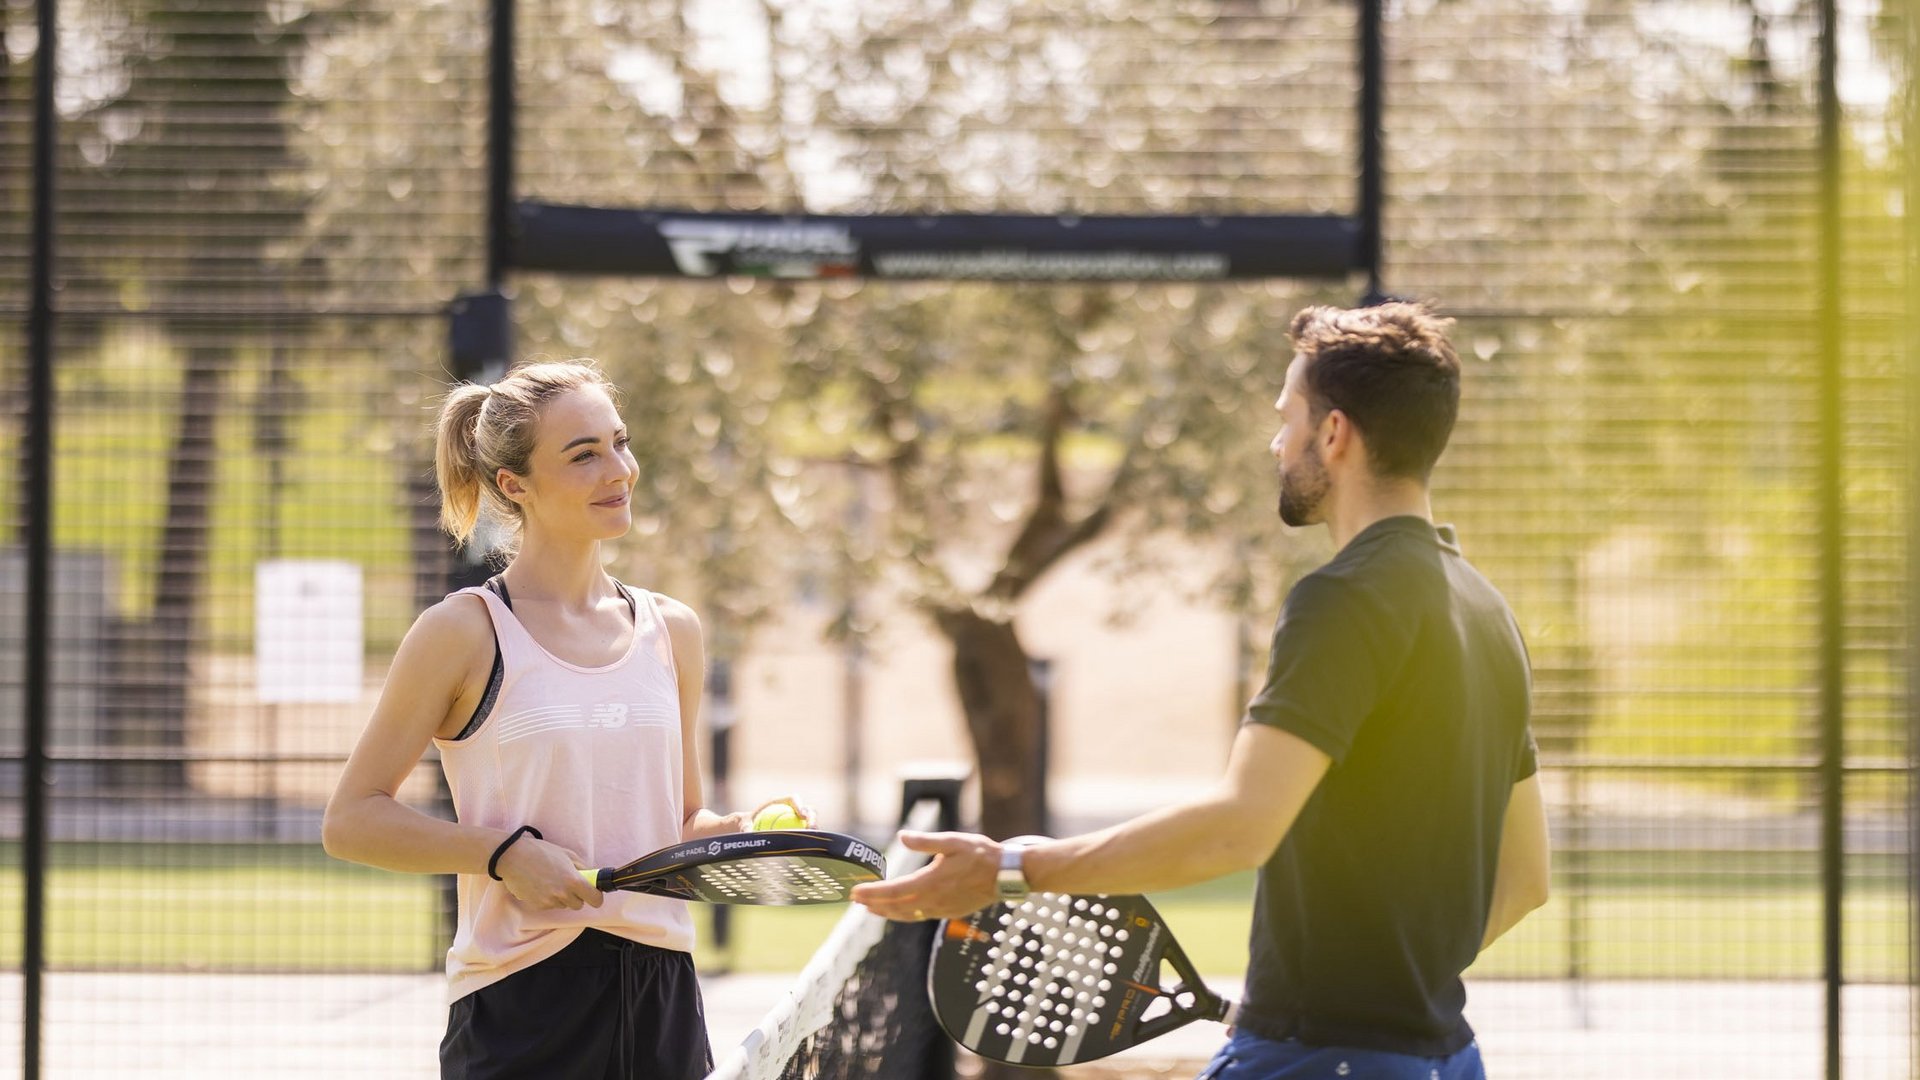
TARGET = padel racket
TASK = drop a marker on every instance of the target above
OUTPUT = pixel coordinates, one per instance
(1058, 979)
(788, 866)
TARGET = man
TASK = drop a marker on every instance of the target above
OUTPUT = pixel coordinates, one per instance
(1383, 781)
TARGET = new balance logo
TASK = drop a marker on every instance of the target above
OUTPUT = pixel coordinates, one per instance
(606, 716)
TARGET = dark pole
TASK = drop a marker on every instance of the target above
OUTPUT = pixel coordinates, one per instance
(853, 651)
(1913, 528)
(720, 719)
(1372, 156)
(479, 325)
(1832, 551)
(1040, 670)
(39, 544)
(500, 106)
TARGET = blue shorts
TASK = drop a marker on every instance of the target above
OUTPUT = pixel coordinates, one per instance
(1249, 1057)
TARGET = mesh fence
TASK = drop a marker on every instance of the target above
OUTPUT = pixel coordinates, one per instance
(263, 206)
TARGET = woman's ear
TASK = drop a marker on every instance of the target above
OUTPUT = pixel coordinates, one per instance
(510, 485)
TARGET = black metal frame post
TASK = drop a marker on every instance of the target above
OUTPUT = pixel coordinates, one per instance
(1372, 144)
(945, 789)
(1040, 671)
(1832, 540)
(500, 109)
(479, 325)
(1912, 141)
(39, 545)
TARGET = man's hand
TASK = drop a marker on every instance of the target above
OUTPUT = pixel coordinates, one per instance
(959, 881)
(1236, 825)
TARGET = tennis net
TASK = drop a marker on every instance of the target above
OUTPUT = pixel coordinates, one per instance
(859, 1008)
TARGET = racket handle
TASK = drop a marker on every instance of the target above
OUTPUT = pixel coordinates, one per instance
(593, 878)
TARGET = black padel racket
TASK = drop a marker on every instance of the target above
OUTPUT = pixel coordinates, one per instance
(787, 866)
(1058, 979)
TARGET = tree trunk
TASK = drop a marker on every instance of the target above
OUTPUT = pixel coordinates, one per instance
(1002, 706)
(156, 682)
(1003, 718)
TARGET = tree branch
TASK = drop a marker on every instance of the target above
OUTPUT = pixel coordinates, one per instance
(1049, 535)
(898, 466)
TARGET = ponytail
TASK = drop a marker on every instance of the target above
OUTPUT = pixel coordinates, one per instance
(483, 429)
(456, 460)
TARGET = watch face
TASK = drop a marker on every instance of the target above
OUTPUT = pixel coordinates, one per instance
(1011, 881)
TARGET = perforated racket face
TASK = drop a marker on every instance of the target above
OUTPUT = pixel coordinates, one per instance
(775, 880)
(782, 867)
(1052, 980)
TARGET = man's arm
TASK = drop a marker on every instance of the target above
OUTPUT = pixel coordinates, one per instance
(1234, 826)
(1521, 878)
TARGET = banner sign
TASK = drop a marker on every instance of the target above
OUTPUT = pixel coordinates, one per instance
(946, 247)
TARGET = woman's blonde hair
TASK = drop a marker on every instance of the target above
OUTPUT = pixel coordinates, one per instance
(483, 429)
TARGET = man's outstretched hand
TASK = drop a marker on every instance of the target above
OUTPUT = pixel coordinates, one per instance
(959, 881)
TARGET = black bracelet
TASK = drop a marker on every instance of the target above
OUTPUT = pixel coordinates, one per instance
(507, 843)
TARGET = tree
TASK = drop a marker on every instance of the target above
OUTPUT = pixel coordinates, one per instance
(186, 135)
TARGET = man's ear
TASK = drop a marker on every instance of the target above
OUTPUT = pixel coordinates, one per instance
(1338, 437)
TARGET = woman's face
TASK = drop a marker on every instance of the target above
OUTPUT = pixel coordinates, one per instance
(580, 479)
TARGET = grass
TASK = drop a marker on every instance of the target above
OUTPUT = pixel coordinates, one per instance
(251, 908)
(222, 907)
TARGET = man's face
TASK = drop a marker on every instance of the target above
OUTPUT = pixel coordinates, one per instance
(1304, 481)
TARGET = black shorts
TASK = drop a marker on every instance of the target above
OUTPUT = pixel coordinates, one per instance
(603, 1008)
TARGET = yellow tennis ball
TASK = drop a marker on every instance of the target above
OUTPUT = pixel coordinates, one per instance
(778, 816)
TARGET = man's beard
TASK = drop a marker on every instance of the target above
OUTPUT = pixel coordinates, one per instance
(1303, 488)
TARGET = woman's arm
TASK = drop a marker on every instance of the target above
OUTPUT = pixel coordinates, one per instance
(365, 822)
(690, 669)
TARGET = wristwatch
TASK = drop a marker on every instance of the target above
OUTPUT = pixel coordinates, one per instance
(1011, 883)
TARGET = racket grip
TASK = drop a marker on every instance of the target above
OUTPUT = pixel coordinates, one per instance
(593, 878)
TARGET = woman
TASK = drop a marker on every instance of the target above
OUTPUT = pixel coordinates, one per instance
(564, 706)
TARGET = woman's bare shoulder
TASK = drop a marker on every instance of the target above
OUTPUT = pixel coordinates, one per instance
(457, 626)
(676, 613)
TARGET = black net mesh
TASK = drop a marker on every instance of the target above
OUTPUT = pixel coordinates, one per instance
(860, 1007)
(263, 206)
(881, 1025)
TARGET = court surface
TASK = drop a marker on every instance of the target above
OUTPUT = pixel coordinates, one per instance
(363, 1026)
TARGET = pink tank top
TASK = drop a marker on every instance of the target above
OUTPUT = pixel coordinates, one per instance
(592, 758)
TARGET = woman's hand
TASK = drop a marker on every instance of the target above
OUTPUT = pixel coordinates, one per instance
(706, 822)
(544, 876)
(790, 802)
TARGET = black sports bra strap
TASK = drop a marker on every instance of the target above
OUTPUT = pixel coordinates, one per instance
(498, 584)
(497, 675)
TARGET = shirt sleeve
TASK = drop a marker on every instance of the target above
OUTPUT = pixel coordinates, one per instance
(1529, 761)
(1529, 756)
(1330, 662)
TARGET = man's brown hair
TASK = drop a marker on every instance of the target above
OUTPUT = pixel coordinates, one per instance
(1392, 371)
